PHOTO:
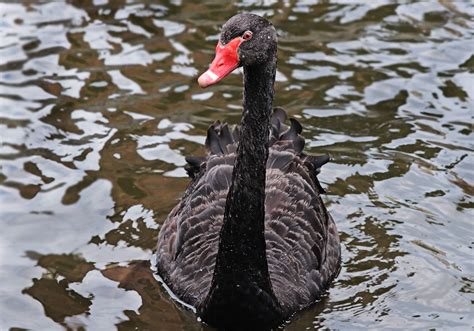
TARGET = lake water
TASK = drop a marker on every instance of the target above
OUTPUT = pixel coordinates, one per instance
(99, 105)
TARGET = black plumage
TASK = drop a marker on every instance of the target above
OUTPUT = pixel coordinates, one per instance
(251, 241)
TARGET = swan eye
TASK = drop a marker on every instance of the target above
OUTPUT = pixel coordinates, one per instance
(247, 35)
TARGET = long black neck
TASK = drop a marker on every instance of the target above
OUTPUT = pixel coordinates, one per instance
(242, 242)
(241, 270)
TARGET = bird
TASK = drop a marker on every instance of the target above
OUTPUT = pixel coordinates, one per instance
(250, 242)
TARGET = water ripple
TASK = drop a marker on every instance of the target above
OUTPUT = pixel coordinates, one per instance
(100, 107)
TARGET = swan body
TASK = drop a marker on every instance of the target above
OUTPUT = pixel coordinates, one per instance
(250, 241)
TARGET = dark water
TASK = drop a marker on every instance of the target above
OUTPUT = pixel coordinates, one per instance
(99, 106)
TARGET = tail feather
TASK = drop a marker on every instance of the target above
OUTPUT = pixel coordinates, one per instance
(221, 140)
(226, 136)
(194, 165)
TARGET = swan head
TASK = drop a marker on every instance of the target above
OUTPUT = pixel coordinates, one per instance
(246, 40)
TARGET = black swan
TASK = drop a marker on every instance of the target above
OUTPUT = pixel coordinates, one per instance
(251, 241)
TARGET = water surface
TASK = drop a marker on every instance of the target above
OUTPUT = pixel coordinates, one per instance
(99, 105)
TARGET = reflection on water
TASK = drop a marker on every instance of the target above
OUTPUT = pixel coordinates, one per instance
(99, 106)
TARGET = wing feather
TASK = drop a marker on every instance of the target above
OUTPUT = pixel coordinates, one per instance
(302, 242)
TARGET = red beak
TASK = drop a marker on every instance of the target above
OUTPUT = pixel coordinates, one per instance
(226, 60)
